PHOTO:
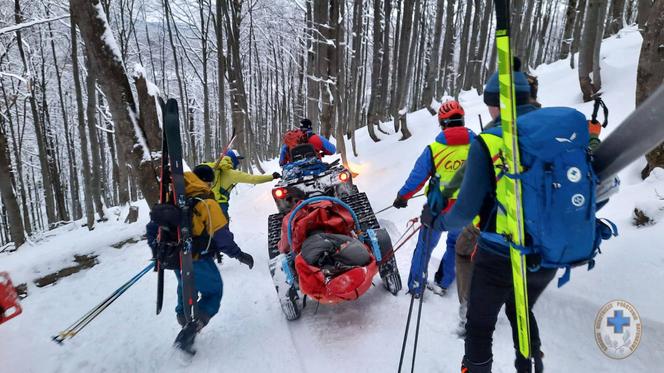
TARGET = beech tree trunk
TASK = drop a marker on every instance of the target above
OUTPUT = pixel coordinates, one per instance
(36, 119)
(8, 196)
(617, 16)
(570, 18)
(383, 103)
(447, 66)
(373, 115)
(587, 49)
(91, 21)
(431, 78)
(401, 72)
(221, 76)
(650, 74)
(85, 159)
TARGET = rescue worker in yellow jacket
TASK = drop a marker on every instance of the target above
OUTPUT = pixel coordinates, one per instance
(442, 158)
(224, 178)
(209, 236)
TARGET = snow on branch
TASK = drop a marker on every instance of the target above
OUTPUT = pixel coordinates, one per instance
(30, 24)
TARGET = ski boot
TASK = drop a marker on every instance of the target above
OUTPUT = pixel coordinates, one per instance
(185, 339)
(524, 365)
(469, 367)
(437, 289)
(461, 330)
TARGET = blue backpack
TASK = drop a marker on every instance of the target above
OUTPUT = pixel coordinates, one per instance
(558, 184)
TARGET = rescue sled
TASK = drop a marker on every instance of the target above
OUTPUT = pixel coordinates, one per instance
(329, 249)
(9, 306)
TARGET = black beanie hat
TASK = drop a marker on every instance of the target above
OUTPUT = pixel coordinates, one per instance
(305, 124)
(204, 172)
(521, 87)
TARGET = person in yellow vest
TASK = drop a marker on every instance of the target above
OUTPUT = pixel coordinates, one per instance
(223, 179)
(442, 158)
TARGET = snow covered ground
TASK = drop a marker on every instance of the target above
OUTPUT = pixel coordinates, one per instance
(250, 333)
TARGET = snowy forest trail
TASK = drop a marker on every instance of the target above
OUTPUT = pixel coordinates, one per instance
(250, 334)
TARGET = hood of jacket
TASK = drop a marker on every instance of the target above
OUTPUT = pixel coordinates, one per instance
(226, 163)
(193, 186)
(455, 136)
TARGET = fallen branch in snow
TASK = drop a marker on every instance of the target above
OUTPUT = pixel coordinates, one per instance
(30, 24)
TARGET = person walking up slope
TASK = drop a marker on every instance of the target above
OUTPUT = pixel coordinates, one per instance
(209, 235)
(442, 159)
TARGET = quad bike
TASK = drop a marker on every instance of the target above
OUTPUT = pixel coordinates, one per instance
(307, 184)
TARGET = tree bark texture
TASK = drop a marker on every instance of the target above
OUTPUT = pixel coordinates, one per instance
(8, 196)
(91, 20)
(587, 49)
(650, 74)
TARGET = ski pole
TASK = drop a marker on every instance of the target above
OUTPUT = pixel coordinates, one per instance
(223, 154)
(405, 335)
(81, 323)
(410, 308)
(400, 245)
(409, 226)
(391, 206)
(419, 310)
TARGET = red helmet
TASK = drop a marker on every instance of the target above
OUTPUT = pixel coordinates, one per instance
(449, 109)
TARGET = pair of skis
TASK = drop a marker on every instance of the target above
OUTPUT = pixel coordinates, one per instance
(172, 190)
(639, 133)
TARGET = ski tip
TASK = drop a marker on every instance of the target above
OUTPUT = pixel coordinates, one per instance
(172, 106)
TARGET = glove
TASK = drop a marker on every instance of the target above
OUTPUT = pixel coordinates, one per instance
(594, 128)
(430, 220)
(276, 175)
(400, 203)
(427, 217)
(246, 259)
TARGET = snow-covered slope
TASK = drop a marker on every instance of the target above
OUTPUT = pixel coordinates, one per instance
(250, 333)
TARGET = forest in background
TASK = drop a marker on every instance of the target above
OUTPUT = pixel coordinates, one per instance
(79, 82)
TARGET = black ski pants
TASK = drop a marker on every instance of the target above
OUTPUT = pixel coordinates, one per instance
(490, 288)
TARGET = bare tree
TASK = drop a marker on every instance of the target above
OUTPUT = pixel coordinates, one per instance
(39, 133)
(377, 79)
(399, 113)
(650, 73)
(9, 202)
(85, 158)
(431, 79)
(91, 21)
(588, 48)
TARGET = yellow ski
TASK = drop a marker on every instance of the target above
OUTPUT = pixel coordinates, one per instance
(514, 206)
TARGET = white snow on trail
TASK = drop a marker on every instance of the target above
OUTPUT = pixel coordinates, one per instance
(250, 333)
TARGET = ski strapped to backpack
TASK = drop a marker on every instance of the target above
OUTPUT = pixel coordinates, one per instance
(165, 195)
(513, 208)
(558, 190)
(172, 128)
